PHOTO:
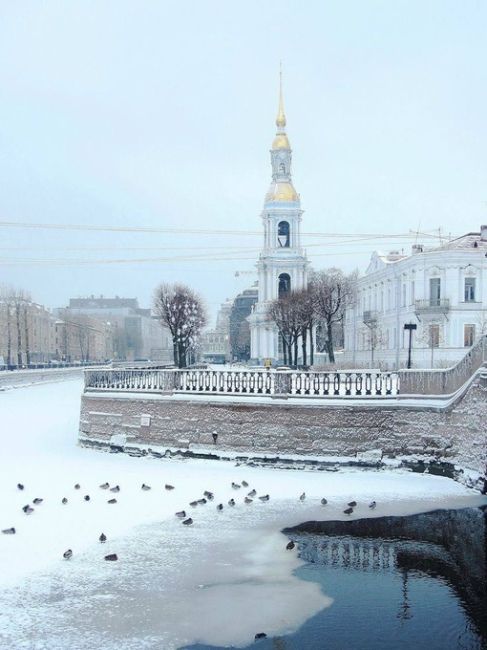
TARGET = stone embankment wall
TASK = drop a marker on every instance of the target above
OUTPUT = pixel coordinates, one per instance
(273, 427)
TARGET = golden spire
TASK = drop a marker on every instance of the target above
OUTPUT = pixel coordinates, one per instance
(281, 118)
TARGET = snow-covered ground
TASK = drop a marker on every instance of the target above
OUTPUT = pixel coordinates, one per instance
(220, 581)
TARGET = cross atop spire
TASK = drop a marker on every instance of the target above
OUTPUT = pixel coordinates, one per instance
(281, 118)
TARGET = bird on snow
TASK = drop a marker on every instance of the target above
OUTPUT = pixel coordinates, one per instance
(231, 502)
(219, 506)
(105, 486)
(236, 486)
(245, 484)
(77, 486)
(247, 500)
(348, 511)
(28, 510)
(188, 522)
(303, 496)
(264, 497)
(86, 497)
(324, 502)
(20, 486)
(169, 487)
(352, 504)
(252, 493)
(260, 635)
(290, 546)
(181, 514)
(202, 501)
(193, 503)
(111, 557)
(37, 501)
(112, 501)
(115, 489)
(145, 487)
(9, 531)
(68, 554)
(372, 504)
(209, 495)
(103, 538)
(64, 501)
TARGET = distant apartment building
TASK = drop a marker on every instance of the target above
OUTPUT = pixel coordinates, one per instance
(441, 291)
(239, 326)
(27, 331)
(136, 334)
(80, 338)
(215, 343)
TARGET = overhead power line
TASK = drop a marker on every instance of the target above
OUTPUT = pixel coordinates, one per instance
(197, 231)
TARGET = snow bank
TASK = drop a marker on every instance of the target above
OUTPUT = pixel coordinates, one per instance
(219, 581)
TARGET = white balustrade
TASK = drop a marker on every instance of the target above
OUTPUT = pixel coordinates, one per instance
(246, 382)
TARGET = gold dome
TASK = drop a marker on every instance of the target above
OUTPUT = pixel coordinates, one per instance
(281, 192)
(281, 142)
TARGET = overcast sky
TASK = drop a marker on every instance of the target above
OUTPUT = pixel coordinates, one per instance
(161, 115)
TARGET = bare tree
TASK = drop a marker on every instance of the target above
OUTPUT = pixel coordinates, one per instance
(333, 292)
(15, 324)
(291, 318)
(182, 311)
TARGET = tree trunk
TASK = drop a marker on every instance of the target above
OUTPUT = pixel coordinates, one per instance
(284, 349)
(331, 352)
(175, 351)
(295, 351)
(26, 331)
(9, 338)
(182, 355)
(304, 334)
(19, 335)
(311, 345)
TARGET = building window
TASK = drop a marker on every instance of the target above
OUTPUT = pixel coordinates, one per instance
(435, 292)
(283, 234)
(284, 285)
(468, 335)
(469, 290)
(403, 295)
(413, 292)
(434, 336)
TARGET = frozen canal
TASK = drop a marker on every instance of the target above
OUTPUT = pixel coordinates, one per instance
(217, 582)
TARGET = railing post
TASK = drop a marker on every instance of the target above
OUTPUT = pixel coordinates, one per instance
(282, 386)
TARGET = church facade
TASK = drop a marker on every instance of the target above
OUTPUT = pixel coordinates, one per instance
(282, 265)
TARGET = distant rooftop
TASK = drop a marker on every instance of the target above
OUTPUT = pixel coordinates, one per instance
(103, 303)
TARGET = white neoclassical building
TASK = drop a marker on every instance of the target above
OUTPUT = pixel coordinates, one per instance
(443, 291)
(282, 264)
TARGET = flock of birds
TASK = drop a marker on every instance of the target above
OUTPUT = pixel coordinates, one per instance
(181, 514)
(208, 496)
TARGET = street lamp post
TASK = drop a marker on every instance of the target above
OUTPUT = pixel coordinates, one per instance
(411, 327)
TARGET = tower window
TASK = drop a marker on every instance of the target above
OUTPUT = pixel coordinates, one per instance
(282, 168)
(283, 234)
(284, 285)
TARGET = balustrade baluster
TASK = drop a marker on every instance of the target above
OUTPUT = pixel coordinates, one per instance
(336, 383)
(368, 383)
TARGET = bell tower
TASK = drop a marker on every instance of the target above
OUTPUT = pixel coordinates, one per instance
(282, 265)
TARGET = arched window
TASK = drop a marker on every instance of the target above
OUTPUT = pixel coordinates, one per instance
(283, 234)
(284, 285)
(282, 168)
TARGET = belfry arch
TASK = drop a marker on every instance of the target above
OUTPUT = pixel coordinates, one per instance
(284, 234)
(284, 286)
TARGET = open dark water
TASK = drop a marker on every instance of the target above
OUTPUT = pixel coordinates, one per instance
(397, 582)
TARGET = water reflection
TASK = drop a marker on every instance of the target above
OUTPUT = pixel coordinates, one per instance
(397, 582)
(450, 545)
